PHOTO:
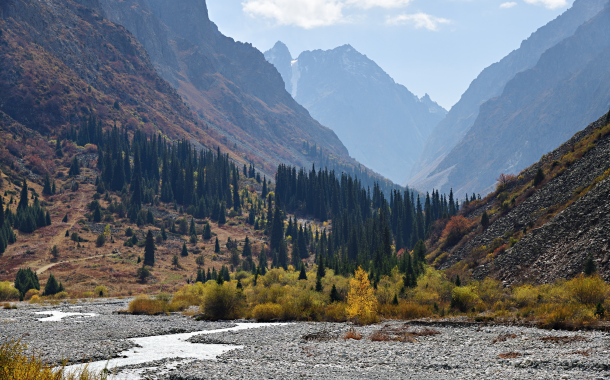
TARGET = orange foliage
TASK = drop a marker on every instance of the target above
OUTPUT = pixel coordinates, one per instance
(456, 228)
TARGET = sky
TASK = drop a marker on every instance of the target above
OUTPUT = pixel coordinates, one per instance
(430, 46)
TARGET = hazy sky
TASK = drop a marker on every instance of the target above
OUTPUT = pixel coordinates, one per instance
(430, 46)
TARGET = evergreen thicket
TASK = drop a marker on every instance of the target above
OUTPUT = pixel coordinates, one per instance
(368, 229)
(25, 280)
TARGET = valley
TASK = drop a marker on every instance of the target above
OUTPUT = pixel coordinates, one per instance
(177, 204)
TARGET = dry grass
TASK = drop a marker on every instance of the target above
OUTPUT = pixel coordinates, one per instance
(352, 334)
(402, 333)
(510, 355)
(563, 339)
(503, 338)
(15, 364)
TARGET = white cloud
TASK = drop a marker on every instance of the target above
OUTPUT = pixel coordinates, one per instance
(510, 4)
(312, 13)
(550, 4)
(419, 20)
(304, 13)
(366, 4)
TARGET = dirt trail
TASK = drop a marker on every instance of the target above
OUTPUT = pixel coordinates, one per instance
(49, 266)
(79, 203)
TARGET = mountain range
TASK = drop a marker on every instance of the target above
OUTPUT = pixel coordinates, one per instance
(383, 125)
(483, 136)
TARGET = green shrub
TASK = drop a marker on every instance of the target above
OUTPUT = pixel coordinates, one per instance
(463, 298)
(222, 302)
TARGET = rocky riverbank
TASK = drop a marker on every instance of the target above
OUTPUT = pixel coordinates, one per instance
(389, 350)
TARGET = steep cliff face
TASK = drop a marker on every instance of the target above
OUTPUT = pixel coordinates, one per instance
(489, 84)
(382, 124)
(62, 61)
(539, 109)
(229, 84)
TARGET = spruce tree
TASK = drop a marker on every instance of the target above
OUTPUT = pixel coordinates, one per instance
(74, 167)
(52, 287)
(58, 151)
(217, 246)
(485, 220)
(207, 232)
(334, 294)
(46, 190)
(222, 214)
(539, 177)
(277, 230)
(262, 261)
(302, 274)
(236, 200)
(149, 250)
(590, 266)
(163, 233)
(184, 251)
(23, 200)
(247, 251)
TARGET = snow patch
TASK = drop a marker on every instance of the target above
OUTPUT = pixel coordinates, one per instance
(296, 75)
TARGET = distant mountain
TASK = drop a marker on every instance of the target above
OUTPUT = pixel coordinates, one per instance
(228, 84)
(383, 125)
(567, 89)
(489, 84)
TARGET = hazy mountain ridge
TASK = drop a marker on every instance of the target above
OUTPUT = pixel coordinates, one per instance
(489, 84)
(382, 124)
(227, 83)
(541, 107)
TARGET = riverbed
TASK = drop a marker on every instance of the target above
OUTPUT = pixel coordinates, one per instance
(178, 347)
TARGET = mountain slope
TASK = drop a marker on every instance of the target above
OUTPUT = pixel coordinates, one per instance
(489, 84)
(62, 61)
(382, 124)
(539, 233)
(541, 107)
(227, 83)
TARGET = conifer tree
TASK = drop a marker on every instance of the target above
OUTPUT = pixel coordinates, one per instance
(184, 251)
(217, 246)
(222, 214)
(207, 232)
(277, 230)
(539, 177)
(163, 233)
(247, 251)
(46, 190)
(262, 261)
(236, 200)
(334, 294)
(302, 274)
(58, 151)
(282, 256)
(52, 287)
(23, 200)
(590, 266)
(149, 250)
(74, 167)
(485, 220)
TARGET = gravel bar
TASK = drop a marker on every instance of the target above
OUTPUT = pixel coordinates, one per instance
(317, 350)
